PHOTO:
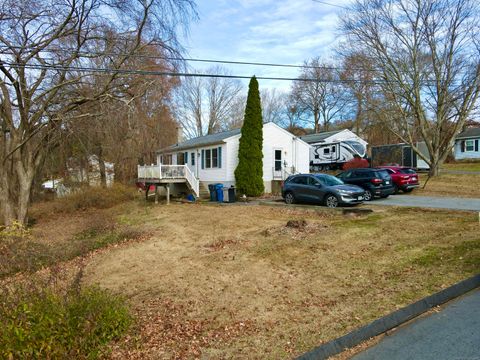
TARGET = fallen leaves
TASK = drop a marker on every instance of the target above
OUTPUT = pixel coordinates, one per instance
(166, 331)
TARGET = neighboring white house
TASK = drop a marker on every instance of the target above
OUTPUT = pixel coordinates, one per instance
(467, 144)
(89, 172)
(214, 158)
(332, 149)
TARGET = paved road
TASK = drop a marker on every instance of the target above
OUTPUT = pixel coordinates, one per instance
(453, 333)
(430, 202)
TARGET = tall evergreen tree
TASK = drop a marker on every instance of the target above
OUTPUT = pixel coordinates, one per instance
(249, 172)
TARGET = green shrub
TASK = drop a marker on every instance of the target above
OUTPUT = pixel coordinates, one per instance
(38, 323)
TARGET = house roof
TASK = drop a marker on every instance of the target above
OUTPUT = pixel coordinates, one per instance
(314, 138)
(206, 140)
(469, 133)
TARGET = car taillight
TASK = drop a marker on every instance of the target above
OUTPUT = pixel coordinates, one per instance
(405, 177)
(377, 181)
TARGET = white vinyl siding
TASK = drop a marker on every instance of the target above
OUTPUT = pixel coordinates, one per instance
(294, 153)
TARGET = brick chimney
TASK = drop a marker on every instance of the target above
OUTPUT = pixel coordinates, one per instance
(179, 134)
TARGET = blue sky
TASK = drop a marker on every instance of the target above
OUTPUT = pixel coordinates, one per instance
(273, 31)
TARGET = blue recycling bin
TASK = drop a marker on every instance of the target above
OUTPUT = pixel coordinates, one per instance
(219, 191)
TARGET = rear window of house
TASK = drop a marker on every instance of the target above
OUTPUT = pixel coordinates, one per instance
(408, 171)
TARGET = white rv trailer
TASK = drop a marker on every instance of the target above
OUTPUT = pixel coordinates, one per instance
(330, 150)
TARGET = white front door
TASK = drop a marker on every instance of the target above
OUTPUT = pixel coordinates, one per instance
(277, 164)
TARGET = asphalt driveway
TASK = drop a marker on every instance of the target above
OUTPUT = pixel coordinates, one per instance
(430, 202)
(452, 333)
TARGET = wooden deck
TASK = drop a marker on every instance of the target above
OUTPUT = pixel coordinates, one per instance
(163, 175)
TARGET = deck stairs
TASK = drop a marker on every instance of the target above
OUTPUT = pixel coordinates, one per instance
(168, 174)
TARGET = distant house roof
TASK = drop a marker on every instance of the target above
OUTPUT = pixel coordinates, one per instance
(314, 138)
(469, 133)
(206, 140)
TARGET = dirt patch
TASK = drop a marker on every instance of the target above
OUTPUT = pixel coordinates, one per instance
(297, 224)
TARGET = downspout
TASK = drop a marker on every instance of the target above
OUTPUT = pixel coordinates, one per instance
(294, 152)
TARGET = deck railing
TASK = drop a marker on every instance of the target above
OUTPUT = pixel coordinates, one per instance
(159, 172)
(283, 173)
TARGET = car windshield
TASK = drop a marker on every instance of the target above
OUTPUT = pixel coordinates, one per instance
(408, 171)
(329, 180)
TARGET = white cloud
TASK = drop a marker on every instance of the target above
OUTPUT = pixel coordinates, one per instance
(275, 31)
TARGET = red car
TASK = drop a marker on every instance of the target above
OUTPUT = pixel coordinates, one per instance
(404, 178)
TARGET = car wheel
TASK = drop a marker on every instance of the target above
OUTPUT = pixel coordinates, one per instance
(368, 195)
(384, 196)
(289, 198)
(331, 201)
(395, 188)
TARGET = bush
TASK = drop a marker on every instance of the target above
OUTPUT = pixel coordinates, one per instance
(38, 323)
(95, 197)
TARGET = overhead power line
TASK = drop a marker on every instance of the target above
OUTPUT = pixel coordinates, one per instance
(170, 73)
(330, 4)
(214, 61)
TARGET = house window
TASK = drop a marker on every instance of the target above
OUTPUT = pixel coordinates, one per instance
(208, 158)
(192, 157)
(278, 160)
(214, 158)
(469, 145)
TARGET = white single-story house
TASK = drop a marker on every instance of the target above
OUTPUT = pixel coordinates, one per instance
(214, 158)
(467, 144)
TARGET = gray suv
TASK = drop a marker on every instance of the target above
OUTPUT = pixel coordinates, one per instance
(321, 189)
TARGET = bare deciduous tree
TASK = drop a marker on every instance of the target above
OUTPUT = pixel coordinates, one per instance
(204, 104)
(44, 47)
(323, 98)
(272, 105)
(427, 53)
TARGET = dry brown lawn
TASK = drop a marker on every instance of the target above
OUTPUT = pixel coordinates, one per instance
(453, 185)
(462, 166)
(234, 282)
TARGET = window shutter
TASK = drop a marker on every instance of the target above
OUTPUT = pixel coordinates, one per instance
(476, 145)
(219, 156)
(462, 145)
(185, 158)
(203, 159)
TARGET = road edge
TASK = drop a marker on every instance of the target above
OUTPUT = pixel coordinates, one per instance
(391, 320)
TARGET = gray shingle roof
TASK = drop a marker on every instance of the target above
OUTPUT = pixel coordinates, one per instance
(469, 133)
(202, 141)
(315, 138)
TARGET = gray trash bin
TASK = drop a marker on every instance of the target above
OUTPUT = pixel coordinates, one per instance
(225, 195)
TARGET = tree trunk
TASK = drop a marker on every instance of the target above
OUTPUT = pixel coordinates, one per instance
(101, 168)
(316, 117)
(7, 212)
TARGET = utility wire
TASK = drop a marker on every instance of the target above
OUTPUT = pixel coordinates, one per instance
(170, 73)
(172, 58)
(330, 4)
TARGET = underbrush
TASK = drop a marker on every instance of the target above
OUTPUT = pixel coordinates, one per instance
(21, 252)
(41, 321)
(94, 197)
